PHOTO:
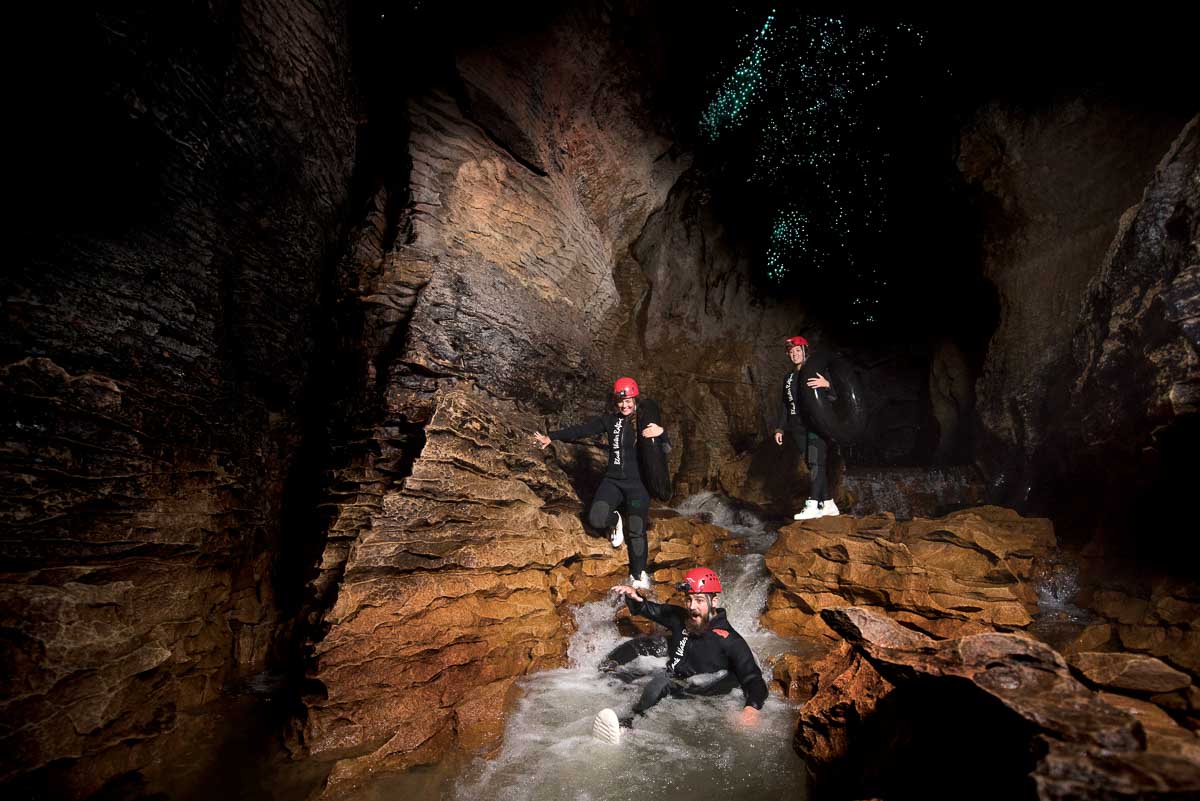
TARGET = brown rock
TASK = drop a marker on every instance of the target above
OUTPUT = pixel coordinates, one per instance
(1092, 638)
(997, 712)
(1163, 735)
(1143, 674)
(158, 355)
(834, 719)
(796, 675)
(965, 573)
(1061, 183)
(1163, 621)
(456, 585)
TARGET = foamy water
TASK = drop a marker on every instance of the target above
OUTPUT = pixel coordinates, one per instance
(682, 748)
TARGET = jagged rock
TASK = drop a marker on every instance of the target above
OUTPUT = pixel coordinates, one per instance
(1163, 735)
(156, 360)
(1058, 184)
(985, 716)
(1143, 674)
(967, 572)
(1163, 620)
(459, 584)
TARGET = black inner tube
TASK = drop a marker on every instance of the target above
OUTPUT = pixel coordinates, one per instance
(843, 419)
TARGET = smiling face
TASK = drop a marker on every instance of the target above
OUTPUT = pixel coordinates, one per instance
(700, 610)
(625, 406)
(797, 354)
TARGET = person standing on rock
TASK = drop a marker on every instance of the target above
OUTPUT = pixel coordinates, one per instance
(622, 483)
(705, 656)
(790, 417)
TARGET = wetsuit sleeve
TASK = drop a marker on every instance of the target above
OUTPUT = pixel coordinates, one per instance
(780, 411)
(741, 661)
(588, 429)
(663, 614)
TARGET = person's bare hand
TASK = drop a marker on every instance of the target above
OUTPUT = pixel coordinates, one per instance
(651, 431)
(778, 437)
(541, 439)
(749, 716)
(820, 382)
(627, 592)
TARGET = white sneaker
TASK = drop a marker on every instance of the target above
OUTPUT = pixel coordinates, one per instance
(830, 509)
(810, 511)
(606, 727)
(617, 538)
(642, 582)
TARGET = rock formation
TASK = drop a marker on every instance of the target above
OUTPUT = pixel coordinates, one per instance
(984, 716)
(965, 573)
(1095, 295)
(156, 370)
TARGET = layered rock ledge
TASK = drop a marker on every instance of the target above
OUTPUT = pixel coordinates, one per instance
(986, 716)
(965, 573)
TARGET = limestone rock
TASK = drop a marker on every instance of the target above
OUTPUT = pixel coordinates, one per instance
(965, 573)
(1143, 674)
(1163, 735)
(156, 372)
(460, 584)
(1079, 284)
(998, 713)
(1162, 620)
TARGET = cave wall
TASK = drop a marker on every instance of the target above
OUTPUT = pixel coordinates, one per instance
(1053, 186)
(477, 302)
(156, 346)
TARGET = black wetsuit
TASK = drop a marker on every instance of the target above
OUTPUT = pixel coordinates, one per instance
(622, 483)
(712, 662)
(791, 417)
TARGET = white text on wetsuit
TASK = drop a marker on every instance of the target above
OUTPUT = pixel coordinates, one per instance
(679, 649)
(616, 441)
(787, 390)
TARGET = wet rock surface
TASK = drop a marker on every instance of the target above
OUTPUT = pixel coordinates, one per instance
(462, 583)
(909, 492)
(965, 573)
(1156, 616)
(998, 713)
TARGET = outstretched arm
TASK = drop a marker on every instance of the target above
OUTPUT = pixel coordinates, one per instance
(741, 661)
(663, 614)
(588, 429)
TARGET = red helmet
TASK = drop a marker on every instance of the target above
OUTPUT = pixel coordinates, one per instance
(792, 342)
(700, 579)
(625, 388)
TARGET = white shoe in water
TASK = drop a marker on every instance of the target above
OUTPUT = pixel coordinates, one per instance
(617, 538)
(606, 727)
(641, 582)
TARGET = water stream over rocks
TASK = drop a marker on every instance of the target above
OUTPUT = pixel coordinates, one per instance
(681, 748)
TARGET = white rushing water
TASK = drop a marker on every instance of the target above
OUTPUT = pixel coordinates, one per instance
(682, 749)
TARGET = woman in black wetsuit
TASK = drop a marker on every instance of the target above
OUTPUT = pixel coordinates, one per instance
(622, 483)
(790, 417)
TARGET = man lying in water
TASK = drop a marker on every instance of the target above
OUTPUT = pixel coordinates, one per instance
(705, 656)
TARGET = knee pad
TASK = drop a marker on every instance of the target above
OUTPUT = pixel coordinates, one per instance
(598, 515)
(637, 526)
